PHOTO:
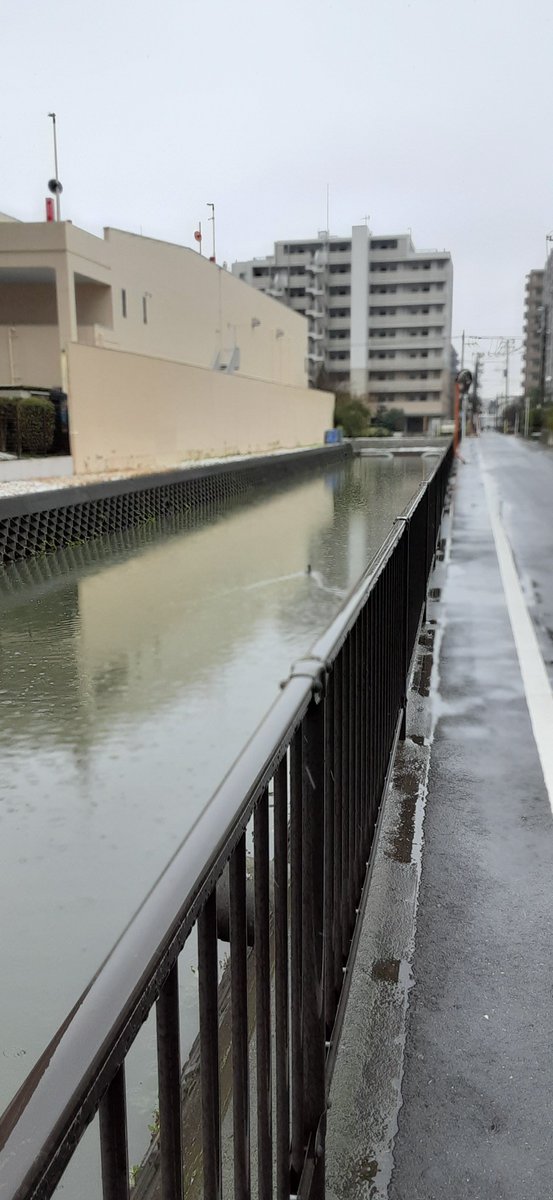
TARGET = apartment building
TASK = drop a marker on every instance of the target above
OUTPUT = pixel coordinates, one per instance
(379, 315)
(534, 330)
(547, 342)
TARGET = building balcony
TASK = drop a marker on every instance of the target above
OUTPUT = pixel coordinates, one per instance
(315, 335)
(404, 320)
(316, 268)
(317, 314)
(313, 289)
(404, 385)
(315, 356)
(409, 276)
(402, 362)
(406, 345)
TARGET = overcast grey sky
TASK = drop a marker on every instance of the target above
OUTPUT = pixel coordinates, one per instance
(422, 113)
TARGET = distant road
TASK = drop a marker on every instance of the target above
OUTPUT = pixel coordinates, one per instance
(523, 475)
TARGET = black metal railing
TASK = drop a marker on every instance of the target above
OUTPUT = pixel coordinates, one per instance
(311, 780)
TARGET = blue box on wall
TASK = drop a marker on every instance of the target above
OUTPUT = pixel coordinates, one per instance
(332, 436)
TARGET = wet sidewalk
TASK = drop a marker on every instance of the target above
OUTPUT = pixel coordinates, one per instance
(443, 1080)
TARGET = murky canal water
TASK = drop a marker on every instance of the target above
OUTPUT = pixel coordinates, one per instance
(130, 676)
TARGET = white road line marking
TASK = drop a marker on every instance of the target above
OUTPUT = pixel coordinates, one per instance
(539, 696)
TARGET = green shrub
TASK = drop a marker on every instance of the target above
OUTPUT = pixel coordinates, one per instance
(391, 418)
(36, 417)
(378, 431)
(352, 415)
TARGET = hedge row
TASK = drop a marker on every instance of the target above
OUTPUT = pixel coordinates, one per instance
(27, 424)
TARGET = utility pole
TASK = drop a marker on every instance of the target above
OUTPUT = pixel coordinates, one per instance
(507, 348)
(464, 398)
(212, 218)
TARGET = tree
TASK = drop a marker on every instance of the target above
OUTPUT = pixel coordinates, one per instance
(391, 418)
(323, 381)
(352, 415)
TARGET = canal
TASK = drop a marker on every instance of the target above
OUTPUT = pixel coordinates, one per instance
(132, 670)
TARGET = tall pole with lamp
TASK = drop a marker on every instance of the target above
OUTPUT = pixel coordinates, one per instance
(54, 184)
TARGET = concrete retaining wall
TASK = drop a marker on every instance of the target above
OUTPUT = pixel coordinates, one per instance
(131, 412)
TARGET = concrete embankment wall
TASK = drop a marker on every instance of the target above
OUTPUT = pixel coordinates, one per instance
(131, 412)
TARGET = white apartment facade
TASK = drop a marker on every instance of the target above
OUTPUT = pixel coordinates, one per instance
(379, 315)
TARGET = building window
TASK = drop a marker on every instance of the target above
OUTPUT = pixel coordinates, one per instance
(123, 302)
(145, 309)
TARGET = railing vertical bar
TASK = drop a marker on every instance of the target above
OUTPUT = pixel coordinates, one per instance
(281, 982)
(373, 702)
(399, 593)
(338, 802)
(351, 784)
(263, 1000)
(354, 765)
(382, 652)
(113, 1139)
(359, 852)
(209, 1048)
(389, 657)
(239, 1003)
(329, 853)
(296, 954)
(345, 798)
(313, 1023)
(169, 1073)
(365, 733)
(380, 693)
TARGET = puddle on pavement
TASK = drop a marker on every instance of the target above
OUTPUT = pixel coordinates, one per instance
(386, 970)
(401, 847)
(423, 671)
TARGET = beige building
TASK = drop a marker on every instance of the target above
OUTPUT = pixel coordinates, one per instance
(164, 355)
(379, 315)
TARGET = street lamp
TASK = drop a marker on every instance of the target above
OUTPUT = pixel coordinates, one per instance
(54, 184)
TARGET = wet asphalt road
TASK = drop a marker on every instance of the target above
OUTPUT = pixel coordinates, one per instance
(476, 1115)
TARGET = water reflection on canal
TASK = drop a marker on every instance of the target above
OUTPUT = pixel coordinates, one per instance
(130, 676)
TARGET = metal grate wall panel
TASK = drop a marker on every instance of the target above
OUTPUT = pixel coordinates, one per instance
(111, 508)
